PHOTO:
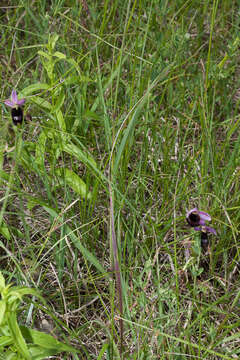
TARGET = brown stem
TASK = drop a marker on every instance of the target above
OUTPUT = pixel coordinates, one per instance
(116, 269)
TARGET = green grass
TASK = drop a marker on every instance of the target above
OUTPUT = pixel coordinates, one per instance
(141, 98)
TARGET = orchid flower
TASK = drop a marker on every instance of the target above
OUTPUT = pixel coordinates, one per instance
(14, 102)
(16, 105)
(197, 219)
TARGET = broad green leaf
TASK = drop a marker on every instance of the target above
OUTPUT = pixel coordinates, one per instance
(41, 102)
(75, 182)
(91, 115)
(13, 299)
(79, 154)
(46, 341)
(75, 64)
(6, 340)
(17, 336)
(5, 232)
(59, 102)
(53, 38)
(59, 55)
(44, 54)
(20, 291)
(60, 119)
(2, 282)
(4, 175)
(4, 330)
(2, 310)
(11, 355)
(17, 232)
(26, 159)
(35, 201)
(39, 353)
(48, 63)
(34, 87)
(85, 158)
(30, 146)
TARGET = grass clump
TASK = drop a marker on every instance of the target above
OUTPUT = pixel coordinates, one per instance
(135, 121)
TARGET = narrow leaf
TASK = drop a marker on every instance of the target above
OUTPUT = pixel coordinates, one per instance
(76, 241)
(102, 351)
(40, 150)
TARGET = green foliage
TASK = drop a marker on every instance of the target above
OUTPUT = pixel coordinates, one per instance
(139, 101)
(19, 342)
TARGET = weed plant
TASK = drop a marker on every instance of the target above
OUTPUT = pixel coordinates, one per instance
(135, 121)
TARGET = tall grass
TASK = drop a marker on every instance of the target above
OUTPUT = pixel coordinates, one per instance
(142, 98)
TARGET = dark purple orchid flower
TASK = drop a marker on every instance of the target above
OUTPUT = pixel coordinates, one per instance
(197, 219)
(16, 105)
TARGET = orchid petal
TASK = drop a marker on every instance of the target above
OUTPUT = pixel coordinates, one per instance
(198, 228)
(192, 210)
(211, 230)
(9, 103)
(207, 229)
(21, 102)
(14, 97)
(204, 216)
